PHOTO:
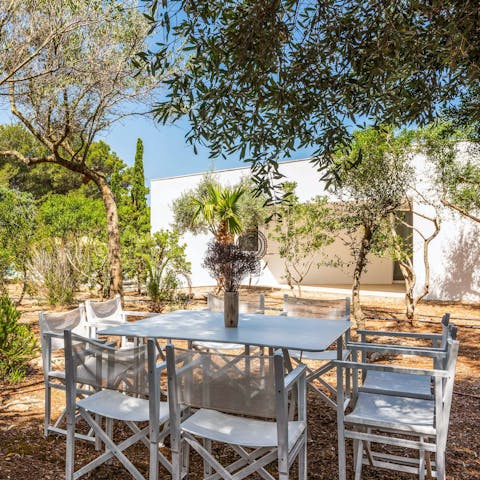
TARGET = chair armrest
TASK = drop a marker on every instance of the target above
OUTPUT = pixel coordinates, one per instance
(294, 376)
(383, 333)
(428, 352)
(391, 369)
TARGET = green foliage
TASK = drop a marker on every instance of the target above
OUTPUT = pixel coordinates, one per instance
(71, 215)
(38, 180)
(168, 268)
(71, 249)
(17, 343)
(265, 78)
(134, 216)
(301, 231)
(17, 228)
(139, 191)
(458, 173)
(206, 206)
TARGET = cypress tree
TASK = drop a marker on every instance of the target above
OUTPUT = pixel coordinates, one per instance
(139, 191)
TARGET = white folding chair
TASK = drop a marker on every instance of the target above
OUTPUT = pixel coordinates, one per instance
(215, 304)
(110, 312)
(229, 391)
(402, 421)
(52, 326)
(377, 381)
(329, 310)
(121, 384)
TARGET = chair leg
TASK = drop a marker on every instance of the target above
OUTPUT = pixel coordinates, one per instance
(440, 462)
(207, 468)
(70, 453)
(302, 461)
(48, 406)
(359, 460)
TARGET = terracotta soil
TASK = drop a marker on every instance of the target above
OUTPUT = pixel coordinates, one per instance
(25, 453)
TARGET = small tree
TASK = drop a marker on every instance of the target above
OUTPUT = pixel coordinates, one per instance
(167, 265)
(250, 207)
(301, 231)
(17, 230)
(371, 192)
(135, 220)
(401, 251)
(17, 343)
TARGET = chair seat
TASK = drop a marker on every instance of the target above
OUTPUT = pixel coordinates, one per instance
(116, 405)
(398, 382)
(400, 413)
(221, 427)
(219, 345)
(326, 355)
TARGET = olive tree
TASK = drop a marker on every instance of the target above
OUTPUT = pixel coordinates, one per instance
(371, 192)
(83, 81)
(264, 78)
(301, 230)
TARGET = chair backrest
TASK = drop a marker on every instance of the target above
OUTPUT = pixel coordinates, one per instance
(98, 365)
(448, 383)
(305, 307)
(239, 384)
(215, 304)
(98, 312)
(53, 324)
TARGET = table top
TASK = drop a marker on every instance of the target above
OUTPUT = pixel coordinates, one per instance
(296, 333)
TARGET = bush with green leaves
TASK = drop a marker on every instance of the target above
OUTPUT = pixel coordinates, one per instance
(168, 269)
(17, 343)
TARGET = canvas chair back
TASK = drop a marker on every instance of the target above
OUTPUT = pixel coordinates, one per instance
(215, 304)
(101, 366)
(53, 324)
(101, 312)
(238, 384)
(330, 309)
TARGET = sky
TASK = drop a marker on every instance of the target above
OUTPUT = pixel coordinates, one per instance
(166, 153)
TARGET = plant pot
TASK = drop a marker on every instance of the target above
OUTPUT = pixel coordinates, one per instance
(230, 309)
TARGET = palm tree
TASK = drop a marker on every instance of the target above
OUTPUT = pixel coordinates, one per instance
(219, 209)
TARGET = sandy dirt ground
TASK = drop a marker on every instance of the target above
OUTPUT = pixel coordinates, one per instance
(25, 453)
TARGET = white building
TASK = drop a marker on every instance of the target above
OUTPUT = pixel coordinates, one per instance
(454, 253)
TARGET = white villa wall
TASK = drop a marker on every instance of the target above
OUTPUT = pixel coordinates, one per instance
(164, 191)
(454, 254)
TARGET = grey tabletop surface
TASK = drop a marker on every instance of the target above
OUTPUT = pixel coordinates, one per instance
(297, 333)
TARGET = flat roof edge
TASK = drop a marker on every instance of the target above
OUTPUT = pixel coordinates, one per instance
(282, 162)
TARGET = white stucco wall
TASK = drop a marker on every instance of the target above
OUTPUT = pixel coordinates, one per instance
(454, 254)
(164, 191)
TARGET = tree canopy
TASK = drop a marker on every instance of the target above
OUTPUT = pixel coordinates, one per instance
(264, 78)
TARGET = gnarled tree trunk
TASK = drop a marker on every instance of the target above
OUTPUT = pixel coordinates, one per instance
(113, 232)
(360, 264)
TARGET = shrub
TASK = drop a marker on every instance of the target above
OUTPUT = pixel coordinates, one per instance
(167, 269)
(17, 343)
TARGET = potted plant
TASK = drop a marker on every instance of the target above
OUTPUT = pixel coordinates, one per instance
(229, 264)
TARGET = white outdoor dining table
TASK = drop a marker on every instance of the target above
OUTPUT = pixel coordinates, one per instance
(273, 331)
(276, 331)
